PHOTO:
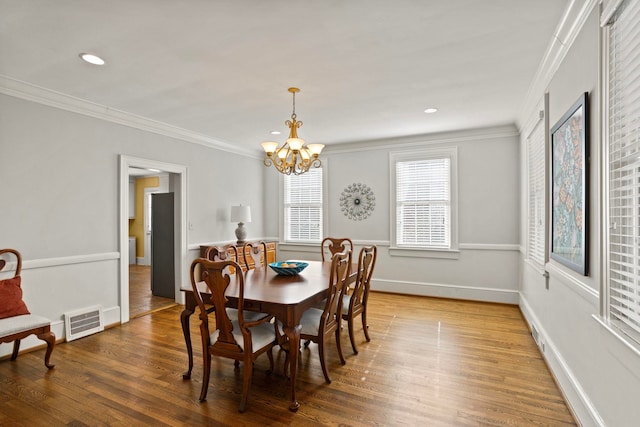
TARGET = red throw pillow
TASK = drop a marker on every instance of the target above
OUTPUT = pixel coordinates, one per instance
(11, 303)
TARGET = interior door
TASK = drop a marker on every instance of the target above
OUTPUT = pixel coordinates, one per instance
(162, 245)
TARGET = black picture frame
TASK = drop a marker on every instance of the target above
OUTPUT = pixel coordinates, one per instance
(570, 187)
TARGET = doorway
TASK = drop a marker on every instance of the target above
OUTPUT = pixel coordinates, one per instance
(131, 277)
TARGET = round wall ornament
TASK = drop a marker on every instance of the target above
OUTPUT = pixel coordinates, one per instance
(357, 201)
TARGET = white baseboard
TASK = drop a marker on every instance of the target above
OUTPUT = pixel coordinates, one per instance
(574, 395)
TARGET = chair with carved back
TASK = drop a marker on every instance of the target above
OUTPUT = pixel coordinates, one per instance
(221, 253)
(334, 245)
(16, 322)
(319, 324)
(255, 255)
(355, 305)
(236, 339)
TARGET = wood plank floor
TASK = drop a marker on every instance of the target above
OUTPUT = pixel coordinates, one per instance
(141, 300)
(431, 362)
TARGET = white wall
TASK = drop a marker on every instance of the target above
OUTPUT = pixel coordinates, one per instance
(599, 375)
(487, 267)
(60, 201)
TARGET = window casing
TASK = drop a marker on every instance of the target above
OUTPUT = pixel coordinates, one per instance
(423, 199)
(303, 207)
(537, 194)
(622, 154)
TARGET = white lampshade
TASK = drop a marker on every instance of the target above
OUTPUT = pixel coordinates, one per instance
(270, 146)
(315, 148)
(240, 213)
(295, 143)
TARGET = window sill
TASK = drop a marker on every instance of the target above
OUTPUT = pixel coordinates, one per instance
(629, 342)
(425, 253)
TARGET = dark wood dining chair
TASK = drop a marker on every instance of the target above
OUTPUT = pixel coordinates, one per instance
(229, 253)
(222, 253)
(236, 339)
(255, 255)
(16, 321)
(334, 245)
(318, 325)
(355, 305)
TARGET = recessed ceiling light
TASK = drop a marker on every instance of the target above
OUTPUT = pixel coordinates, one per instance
(430, 110)
(275, 132)
(92, 59)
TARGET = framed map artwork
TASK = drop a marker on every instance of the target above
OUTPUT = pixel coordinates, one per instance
(570, 187)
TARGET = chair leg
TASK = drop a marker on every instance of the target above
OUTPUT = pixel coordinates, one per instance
(339, 345)
(205, 376)
(270, 356)
(365, 326)
(50, 339)
(352, 337)
(322, 360)
(246, 384)
(16, 349)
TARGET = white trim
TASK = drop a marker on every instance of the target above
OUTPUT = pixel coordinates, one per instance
(627, 341)
(181, 265)
(450, 152)
(577, 285)
(420, 141)
(489, 246)
(575, 396)
(60, 261)
(568, 29)
(609, 9)
(424, 252)
(536, 267)
(30, 92)
(474, 293)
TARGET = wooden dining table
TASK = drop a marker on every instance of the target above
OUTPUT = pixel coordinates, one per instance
(286, 297)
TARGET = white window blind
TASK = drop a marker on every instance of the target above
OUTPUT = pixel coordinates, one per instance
(537, 185)
(624, 169)
(423, 206)
(303, 206)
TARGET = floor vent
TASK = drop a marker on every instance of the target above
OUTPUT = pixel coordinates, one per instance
(534, 334)
(83, 322)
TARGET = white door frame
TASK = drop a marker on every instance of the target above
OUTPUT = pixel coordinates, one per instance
(181, 232)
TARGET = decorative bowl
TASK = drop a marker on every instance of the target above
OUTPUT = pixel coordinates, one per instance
(288, 268)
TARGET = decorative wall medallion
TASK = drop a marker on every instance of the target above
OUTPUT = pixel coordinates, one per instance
(357, 201)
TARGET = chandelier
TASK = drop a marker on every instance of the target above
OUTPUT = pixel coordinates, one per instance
(294, 156)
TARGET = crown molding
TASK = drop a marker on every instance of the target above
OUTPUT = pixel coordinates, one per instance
(571, 23)
(51, 98)
(451, 137)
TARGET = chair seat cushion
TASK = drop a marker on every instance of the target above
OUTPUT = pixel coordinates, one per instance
(14, 324)
(310, 321)
(249, 316)
(11, 303)
(261, 335)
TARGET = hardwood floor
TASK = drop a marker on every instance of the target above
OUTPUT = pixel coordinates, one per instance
(430, 362)
(141, 300)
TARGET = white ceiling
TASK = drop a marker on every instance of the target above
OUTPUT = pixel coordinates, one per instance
(221, 68)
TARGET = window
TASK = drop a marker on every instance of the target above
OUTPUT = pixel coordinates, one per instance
(537, 194)
(423, 192)
(303, 207)
(623, 174)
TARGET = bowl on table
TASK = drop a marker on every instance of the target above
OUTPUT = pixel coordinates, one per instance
(288, 268)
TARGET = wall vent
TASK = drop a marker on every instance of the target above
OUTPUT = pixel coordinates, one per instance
(534, 334)
(83, 322)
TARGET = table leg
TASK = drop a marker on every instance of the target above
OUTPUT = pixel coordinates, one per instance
(184, 319)
(294, 348)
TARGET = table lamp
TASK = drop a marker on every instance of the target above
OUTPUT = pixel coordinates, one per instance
(241, 214)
